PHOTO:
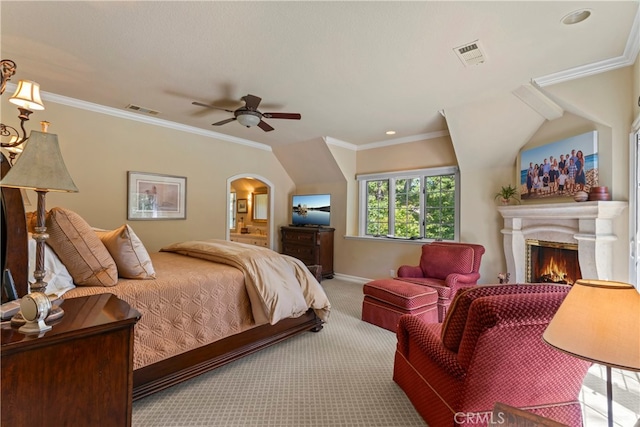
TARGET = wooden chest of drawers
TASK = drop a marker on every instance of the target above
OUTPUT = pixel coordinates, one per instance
(311, 245)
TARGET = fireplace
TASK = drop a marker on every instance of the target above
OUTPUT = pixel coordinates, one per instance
(586, 225)
(552, 262)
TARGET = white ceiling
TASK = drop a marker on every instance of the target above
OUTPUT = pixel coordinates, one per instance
(352, 69)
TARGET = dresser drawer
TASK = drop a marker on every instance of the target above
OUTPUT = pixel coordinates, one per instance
(299, 238)
(303, 253)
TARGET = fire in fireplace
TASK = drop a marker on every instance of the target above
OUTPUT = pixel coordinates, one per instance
(552, 262)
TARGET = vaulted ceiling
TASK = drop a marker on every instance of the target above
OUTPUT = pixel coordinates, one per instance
(353, 70)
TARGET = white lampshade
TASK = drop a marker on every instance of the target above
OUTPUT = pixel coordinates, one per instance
(248, 120)
(599, 321)
(27, 96)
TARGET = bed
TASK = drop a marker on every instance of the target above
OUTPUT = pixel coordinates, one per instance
(203, 303)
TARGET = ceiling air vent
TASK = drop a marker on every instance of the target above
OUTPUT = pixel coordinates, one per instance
(470, 53)
(140, 109)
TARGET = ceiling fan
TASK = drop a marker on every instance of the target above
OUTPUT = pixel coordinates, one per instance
(249, 115)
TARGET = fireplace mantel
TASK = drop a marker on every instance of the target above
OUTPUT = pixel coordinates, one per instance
(588, 224)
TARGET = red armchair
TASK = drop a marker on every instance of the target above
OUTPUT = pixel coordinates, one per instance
(488, 350)
(445, 267)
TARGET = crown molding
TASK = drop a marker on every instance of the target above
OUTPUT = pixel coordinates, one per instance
(339, 143)
(387, 143)
(628, 58)
(115, 112)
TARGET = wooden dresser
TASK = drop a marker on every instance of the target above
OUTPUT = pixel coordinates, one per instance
(311, 245)
(78, 373)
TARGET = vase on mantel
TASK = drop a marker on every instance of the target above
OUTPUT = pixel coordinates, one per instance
(580, 196)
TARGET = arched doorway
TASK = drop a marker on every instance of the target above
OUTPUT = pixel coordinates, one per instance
(250, 206)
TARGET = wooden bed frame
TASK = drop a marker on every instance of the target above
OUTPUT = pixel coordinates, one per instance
(165, 373)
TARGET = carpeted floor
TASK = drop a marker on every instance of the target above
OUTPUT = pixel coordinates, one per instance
(341, 376)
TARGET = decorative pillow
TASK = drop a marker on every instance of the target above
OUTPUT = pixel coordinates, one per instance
(57, 276)
(80, 249)
(130, 255)
(438, 261)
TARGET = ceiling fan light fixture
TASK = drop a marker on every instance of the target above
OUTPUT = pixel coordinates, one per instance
(248, 119)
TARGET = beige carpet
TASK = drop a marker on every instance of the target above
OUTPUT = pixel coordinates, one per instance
(341, 376)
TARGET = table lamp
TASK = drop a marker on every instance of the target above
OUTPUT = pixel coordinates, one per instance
(40, 167)
(599, 321)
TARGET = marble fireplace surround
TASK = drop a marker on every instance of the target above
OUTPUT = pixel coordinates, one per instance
(587, 224)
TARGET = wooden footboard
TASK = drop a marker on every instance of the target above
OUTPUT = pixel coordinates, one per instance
(166, 373)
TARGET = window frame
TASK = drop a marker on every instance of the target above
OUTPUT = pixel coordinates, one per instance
(363, 179)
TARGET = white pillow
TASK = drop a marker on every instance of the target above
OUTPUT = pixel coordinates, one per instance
(56, 275)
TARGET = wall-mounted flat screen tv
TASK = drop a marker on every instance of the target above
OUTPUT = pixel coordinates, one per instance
(311, 209)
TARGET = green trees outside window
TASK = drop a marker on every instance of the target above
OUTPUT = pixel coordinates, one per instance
(412, 207)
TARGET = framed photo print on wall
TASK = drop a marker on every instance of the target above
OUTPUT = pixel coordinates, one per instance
(242, 206)
(560, 169)
(155, 196)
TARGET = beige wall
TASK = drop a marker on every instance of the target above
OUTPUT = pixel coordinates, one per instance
(99, 150)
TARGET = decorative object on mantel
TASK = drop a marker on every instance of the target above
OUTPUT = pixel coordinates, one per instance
(599, 193)
(40, 167)
(506, 194)
(608, 332)
(503, 278)
(581, 196)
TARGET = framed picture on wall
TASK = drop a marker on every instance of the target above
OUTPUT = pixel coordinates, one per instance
(242, 205)
(560, 169)
(155, 196)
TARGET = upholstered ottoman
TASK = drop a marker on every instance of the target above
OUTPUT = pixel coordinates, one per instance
(385, 300)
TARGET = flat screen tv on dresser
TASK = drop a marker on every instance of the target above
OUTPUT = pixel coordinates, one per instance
(311, 210)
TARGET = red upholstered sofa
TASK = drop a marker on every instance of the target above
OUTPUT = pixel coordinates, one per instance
(488, 350)
(445, 267)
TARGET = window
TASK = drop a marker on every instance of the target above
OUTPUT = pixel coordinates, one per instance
(420, 204)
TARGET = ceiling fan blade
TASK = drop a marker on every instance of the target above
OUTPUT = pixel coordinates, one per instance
(265, 126)
(292, 116)
(200, 104)
(223, 122)
(252, 101)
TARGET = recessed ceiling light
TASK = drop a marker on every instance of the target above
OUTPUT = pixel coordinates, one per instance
(576, 16)
(390, 132)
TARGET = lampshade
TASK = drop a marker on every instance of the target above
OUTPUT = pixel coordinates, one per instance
(27, 96)
(40, 166)
(248, 120)
(599, 321)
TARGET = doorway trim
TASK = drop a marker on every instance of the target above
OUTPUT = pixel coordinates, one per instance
(270, 192)
(634, 203)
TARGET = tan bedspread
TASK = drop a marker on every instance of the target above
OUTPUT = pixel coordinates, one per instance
(279, 286)
(191, 303)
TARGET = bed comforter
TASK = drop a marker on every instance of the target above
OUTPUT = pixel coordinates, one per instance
(279, 286)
